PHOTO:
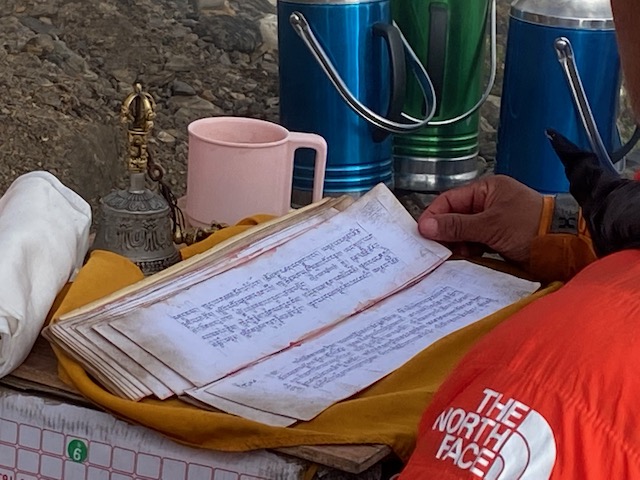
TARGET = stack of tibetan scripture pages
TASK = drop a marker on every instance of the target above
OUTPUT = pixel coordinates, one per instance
(280, 323)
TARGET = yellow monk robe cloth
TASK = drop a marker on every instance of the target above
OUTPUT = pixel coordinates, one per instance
(388, 412)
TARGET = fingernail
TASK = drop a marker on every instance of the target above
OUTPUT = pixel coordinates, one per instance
(429, 227)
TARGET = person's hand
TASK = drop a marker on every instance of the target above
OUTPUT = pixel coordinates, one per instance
(610, 204)
(494, 213)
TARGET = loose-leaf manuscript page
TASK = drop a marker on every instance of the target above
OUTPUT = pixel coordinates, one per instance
(346, 264)
(307, 378)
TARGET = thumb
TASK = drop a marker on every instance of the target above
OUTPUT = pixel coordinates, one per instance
(453, 227)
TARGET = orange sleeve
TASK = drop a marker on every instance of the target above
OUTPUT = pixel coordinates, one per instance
(559, 256)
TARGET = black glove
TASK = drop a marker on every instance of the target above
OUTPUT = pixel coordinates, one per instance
(610, 204)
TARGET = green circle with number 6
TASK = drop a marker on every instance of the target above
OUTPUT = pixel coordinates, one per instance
(77, 451)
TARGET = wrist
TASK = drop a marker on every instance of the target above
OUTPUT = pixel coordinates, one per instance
(566, 214)
(560, 214)
(563, 245)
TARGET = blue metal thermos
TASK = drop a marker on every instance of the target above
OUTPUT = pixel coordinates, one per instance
(343, 66)
(562, 71)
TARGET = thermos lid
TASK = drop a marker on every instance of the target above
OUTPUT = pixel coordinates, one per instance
(584, 14)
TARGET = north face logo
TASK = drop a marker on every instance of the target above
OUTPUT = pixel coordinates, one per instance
(503, 439)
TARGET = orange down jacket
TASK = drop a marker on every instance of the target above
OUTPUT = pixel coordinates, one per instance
(552, 392)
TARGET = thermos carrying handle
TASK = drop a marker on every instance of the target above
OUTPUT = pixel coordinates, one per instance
(302, 28)
(492, 14)
(398, 75)
(564, 50)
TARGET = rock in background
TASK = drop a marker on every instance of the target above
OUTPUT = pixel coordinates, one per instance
(66, 66)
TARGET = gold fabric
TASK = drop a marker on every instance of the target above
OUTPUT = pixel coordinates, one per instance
(386, 413)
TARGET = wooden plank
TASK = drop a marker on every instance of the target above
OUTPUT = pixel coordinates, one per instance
(38, 374)
(347, 458)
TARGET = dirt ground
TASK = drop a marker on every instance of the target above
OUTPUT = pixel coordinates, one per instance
(66, 66)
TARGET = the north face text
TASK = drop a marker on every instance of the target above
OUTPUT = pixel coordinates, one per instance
(497, 439)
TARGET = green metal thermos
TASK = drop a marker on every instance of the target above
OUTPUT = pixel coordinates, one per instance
(448, 36)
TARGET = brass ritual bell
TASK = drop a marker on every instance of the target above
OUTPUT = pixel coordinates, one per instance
(137, 222)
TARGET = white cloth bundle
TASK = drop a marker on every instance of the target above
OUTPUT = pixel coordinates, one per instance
(44, 237)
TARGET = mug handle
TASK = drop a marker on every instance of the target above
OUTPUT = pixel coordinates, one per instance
(315, 142)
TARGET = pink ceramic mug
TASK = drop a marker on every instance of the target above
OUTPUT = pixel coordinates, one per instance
(240, 166)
